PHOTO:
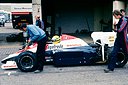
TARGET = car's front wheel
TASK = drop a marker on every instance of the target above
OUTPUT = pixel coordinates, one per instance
(26, 61)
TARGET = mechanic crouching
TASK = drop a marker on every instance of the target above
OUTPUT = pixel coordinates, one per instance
(36, 35)
(121, 41)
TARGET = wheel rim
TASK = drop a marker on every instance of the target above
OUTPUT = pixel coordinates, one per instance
(120, 58)
(26, 62)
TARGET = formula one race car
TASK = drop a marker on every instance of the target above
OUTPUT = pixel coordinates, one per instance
(67, 50)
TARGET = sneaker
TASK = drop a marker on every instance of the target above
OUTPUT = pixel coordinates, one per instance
(38, 71)
(108, 70)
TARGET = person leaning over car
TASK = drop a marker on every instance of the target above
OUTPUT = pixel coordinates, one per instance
(36, 35)
(120, 41)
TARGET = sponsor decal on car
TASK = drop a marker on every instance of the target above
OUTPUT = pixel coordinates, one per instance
(55, 46)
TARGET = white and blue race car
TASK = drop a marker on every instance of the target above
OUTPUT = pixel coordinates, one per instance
(102, 46)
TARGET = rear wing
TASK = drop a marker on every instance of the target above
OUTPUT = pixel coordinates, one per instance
(104, 37)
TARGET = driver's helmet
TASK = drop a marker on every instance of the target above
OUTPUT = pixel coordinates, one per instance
(56, 39)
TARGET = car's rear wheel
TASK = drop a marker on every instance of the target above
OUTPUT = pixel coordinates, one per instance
(26, 61)
(121, 59)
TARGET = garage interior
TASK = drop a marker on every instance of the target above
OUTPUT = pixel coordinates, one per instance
(77, 15)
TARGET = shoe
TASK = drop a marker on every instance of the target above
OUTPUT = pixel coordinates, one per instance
(38, 71)
(108, 70)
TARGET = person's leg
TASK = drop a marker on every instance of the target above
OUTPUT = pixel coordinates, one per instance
(40, 54)
(113, 57)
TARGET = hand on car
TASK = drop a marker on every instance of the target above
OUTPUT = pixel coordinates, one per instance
(26, 47)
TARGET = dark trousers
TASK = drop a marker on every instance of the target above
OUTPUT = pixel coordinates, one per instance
(113, 56)
(40, 53)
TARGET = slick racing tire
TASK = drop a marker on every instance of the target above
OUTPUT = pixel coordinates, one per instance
(121, 60)
(3, 24)
(11, 38)
(26, 61)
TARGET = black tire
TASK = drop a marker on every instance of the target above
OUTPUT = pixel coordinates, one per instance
(121, 60)
(26, 61)
(11, 38)
(3, 24)
(20, 37)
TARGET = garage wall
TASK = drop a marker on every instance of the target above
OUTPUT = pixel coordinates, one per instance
(103, 12)
(81, 15)
(74, 16)
(70, 21)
